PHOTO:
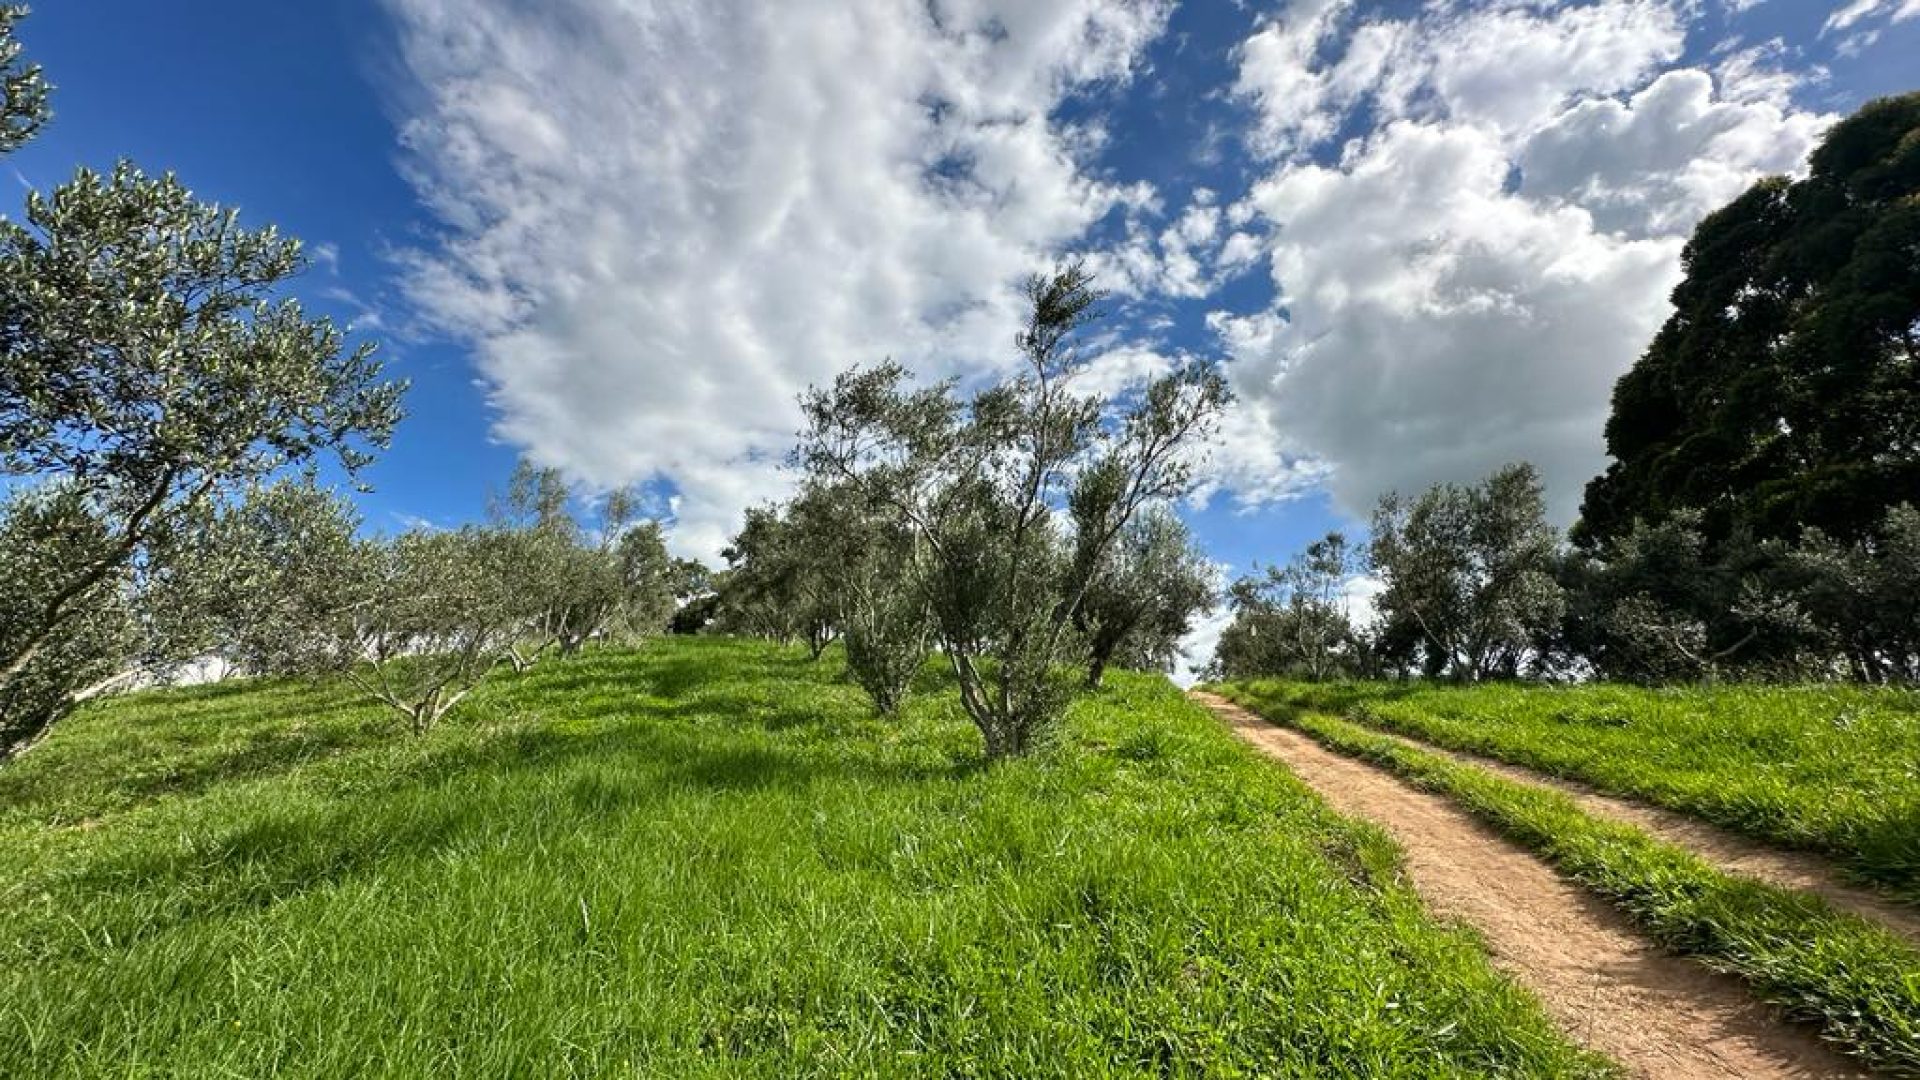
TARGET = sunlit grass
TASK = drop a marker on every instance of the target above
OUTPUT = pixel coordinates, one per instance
(707, 858)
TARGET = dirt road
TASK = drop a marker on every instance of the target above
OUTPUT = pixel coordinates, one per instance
(1727, 850)
(1609, 989)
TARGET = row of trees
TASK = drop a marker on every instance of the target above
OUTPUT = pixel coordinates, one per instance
(1475, 584)
(1022, 530)
(164, 412)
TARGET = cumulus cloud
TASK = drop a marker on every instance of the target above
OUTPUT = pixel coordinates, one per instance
(662, 219)
(1462, 279)
(1664, 158)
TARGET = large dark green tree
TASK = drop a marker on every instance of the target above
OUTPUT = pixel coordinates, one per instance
(1784, 391)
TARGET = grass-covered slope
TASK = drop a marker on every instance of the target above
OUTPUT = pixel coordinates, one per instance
(706, 859)
(1828, 768)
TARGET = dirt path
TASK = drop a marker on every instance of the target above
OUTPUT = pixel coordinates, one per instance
(1727, 850)
(1659, 1015)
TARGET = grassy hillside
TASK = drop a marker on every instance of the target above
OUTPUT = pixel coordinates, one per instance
(1834, 769)
(706, 859)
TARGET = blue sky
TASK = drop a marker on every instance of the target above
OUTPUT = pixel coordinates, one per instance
(1423, 238)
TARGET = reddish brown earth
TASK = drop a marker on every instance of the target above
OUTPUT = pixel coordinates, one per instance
(1656, 1014)
(1727, 850)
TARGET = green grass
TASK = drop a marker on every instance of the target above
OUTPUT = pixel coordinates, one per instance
(1859, 983)
(707, 859)
(1830, 769)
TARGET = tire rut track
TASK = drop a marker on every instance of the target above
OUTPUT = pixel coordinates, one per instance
(1608, 988)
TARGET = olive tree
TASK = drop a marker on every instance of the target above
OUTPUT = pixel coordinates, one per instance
(1295, 620)
(574, 579)
(871, 570)
(1143, 600)
(148, 366)
(649, 577)
(1469, 572)
(983, 483)
(47, 535)
(763, 592)
(24, 108)
(416, 622)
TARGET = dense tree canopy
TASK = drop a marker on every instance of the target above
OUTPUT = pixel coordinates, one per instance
(1784, 391)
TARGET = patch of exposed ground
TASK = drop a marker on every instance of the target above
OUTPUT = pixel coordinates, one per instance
(1657, 1014)
(1727, 850)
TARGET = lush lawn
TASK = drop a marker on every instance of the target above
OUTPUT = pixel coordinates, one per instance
(706, 859)
(1831, 769)
(1857, 982)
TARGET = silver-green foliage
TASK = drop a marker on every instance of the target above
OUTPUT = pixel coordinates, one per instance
(285, 585)
(982, 482)
(1143, 598)
(571, 583)
(148, 368)
(1295, 620)
(24, 110)
(46, 534)
(1469, 572)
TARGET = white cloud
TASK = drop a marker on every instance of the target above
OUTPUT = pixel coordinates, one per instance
(1664, 158)
(664, 219)
(1847, 15)
(1197, 648)
(1462, 284)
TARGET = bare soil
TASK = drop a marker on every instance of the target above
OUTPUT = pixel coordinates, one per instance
(1729, 851)
(1656, 1014)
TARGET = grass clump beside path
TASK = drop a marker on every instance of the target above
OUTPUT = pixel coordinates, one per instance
(1833, 769)
(1857, 982)
(706, 859)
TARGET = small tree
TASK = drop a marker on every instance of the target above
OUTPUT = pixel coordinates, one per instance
(47, 535)
(434, 621)
(1294, 620)
(570, 583)
(1144, 600)
(871, 574)
(1865, 596)
(415, 622)
(24, 110)
(1470, 572)
(648, 580)
(761, 593)
(981, 484)
(696, 596)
